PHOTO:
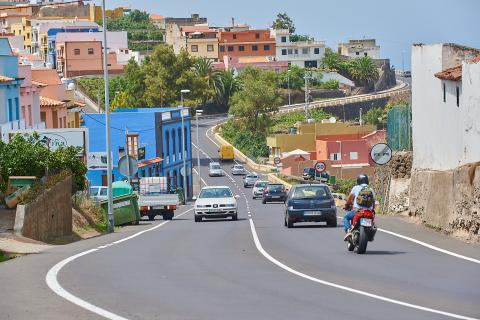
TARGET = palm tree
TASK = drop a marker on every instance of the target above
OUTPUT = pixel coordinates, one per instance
(226, 85)
(204, 70)
(331, 60)
(363, 70)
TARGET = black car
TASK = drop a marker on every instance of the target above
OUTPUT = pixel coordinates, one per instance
(274, 192)
(310, 203)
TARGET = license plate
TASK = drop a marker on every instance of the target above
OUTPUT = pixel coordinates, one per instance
(158, 208)
(215, 210)
(366, 222)
(275, 197)
(313, 213)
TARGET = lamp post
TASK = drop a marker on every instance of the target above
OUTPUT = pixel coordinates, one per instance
(184, 146)
(107, 123)
(288, 86)
(341, 169)
(197, 113)
(307, 77)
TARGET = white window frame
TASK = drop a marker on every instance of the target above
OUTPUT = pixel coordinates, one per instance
(353, 155)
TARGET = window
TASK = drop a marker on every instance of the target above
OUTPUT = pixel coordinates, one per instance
(180, 141)
(10, 110)
(17, 108)
(210, 48)
(167, 146)
(222, 48)
(254, 48)
(335, 156)
(90, 50)
(132, 145)
(284, 52)
(266, 47)
(296, 51)
(365, 54)
(458, 96)
(230, 48)
(241, 48)
(234, 36)
(316, 51)
(76, 52)
(444, 92)
(357, 53)
(43, 116)
(353, 155)
(305, 50)
(290, 51)
(257, 35)
(284, 39)
(194, 48)
(186, 139)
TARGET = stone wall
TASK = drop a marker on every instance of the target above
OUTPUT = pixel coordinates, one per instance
(49, 216)
(448, 200)
(351, 111)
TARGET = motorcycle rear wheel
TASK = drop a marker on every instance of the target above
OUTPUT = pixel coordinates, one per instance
(362, 241)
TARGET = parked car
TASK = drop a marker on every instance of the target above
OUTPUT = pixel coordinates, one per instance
(215, 170)
(216, 202)
(310, 203)
(239, 170)
(258, 188)
(98, 193)
(274, 192)
(308, 174)
(250, 179)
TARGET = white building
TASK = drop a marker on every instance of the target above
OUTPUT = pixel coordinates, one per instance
(445, 106)
(305, 54)
(360, 48)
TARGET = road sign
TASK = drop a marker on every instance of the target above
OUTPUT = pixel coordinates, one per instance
(381, 153)
(320, 166)
(97, 161)
(277, 161)
(141, 153)
(128, 168)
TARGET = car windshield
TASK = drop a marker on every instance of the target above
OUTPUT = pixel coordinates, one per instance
(238, 167)
(94, 191)
(215, 193)
(275, 187)
(250, 176)
(311, 192)
(215, 167)
(307, 170)
(261, 184)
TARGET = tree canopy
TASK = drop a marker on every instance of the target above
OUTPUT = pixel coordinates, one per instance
(363, 70)
(283, 21)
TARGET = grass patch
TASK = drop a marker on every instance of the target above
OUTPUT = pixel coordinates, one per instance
(5, 256)
(283, 122)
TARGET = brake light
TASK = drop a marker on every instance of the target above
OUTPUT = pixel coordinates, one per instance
(143, 208)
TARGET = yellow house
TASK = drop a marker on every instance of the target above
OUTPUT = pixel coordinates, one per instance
(24, 29)
(96, 14)
(307, 135)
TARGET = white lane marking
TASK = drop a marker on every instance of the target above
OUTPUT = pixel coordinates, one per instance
(204, 182)
(345, 288)
(427, 245)
(52, 280)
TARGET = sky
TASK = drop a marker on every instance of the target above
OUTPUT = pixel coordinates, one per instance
(395, 24)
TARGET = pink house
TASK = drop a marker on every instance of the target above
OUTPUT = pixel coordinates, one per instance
(53, 107)
(29, 98)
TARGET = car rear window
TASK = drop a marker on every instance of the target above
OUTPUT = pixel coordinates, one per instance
(252, 176)
(311, 192)
(215, 166)
(261, 184)
(238, 167)
(275, 187)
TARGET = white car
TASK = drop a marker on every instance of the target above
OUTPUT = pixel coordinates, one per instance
(215, 170)
(239, 170)
(216, 202)
(98, 193)
(258, 188)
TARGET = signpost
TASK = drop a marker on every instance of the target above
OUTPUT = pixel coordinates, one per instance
(97, 161)
(381, 154)
(319, 168)
(277, 161)
(127, 166)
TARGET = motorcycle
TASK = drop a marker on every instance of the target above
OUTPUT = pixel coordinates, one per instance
(363, 231)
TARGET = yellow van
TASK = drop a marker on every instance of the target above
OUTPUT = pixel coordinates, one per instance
(226, 153)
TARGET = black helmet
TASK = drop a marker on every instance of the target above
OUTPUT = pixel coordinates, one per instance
(362, 179)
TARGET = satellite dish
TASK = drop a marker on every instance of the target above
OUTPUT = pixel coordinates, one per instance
(71, 86)
(333, 120)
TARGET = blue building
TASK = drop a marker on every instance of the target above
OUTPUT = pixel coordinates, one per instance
(9, 89)
(52, 38)
(157, 130)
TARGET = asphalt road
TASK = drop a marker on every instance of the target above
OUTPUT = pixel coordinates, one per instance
(216, 270)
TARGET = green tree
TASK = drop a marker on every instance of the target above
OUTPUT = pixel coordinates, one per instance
(226, 86)
(331, 60)
(206, 73)
(120, 101)
(330, 84)
(374, 116)
(300, 37)
(256, 99)
(283, 21)
(363, 70)
(135, 90)
(294, 77)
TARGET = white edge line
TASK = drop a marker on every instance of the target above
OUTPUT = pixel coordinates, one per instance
(337, 286)
(54, 285)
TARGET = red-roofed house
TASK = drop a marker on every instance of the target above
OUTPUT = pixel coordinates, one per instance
(30, 98)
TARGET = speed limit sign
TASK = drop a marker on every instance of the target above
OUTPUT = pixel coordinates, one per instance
(320, 166)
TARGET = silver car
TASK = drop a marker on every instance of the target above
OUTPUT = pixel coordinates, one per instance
(250, 179)
(258, 188)
(238, 170)
(215, 170)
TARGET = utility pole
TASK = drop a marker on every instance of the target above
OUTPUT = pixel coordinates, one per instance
(107, 123)
(197, 112)
(361, 119)
(288, 86)
(184, 146)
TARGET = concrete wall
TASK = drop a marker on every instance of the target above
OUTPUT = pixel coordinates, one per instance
(448, 200)
(49, 216)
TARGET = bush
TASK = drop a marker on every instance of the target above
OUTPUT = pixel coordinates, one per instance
(330, 84)
(287, 120)
(345, 186)
(252, 145)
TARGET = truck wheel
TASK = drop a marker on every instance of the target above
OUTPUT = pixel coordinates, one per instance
(198, 219)
(151, 217)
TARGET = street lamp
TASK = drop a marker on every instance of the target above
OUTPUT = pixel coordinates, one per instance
(341, 168)
(107, 123)
(288, 86)
(184, 91)
(197, 113)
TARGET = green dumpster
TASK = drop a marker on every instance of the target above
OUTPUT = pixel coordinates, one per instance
(125, 209)
(121, 188)
(333, 180)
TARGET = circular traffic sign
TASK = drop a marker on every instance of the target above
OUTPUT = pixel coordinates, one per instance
(381, 153)
(320, 166)
(277, 160)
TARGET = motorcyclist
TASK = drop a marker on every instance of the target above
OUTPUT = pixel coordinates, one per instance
(352, 205)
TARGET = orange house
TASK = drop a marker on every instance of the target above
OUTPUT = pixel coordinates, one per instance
(246, 43)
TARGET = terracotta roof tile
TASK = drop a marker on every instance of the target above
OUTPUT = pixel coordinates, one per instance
(47, 102)
(455, 73)
(46, 76)
(155, 16)
(149, 161)
(39, 84)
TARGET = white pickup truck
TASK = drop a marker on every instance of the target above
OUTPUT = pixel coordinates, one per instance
(155, 198)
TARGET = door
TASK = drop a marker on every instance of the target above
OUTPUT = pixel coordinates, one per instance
(104, 180)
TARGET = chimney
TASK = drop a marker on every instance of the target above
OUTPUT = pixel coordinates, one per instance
(233, 22)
